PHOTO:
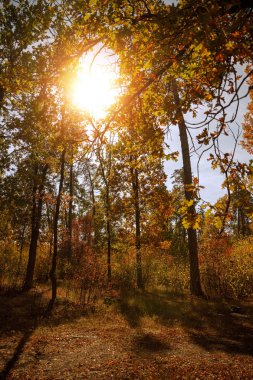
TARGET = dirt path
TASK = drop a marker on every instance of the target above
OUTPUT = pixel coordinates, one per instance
(127, 340)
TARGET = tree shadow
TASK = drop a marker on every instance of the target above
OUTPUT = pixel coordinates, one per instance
(19, 312)
(150, 343)
(211, 325)
(131, 312)
(22, 313)
(16, 355)
(166, 307)
(228, 332)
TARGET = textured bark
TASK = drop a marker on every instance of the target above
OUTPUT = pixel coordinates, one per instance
(106, 179)
(108, 230)
(70, 213)
(21, 251)
(35, 223)
(53, 274)
(136, 190)
(93, 220)
(192, 235)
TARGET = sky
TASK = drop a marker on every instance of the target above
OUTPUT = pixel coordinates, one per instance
(209, 178)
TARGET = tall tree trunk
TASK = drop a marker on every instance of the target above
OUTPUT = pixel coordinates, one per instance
(93, 221)
(192, 235)
(106, 179)
(21, 252)
(136, 191)
(36, 220)
(53, 274)
(70, 213)
(108, 231)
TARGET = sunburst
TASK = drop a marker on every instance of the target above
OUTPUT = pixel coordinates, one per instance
(93, 89)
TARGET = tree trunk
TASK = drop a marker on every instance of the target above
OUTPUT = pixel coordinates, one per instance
(192, 235)
(108, 230)
(70, 213)
(53, 274)
(135, 187)
(21, 252)
(106, 179)
(36, 220)
(93, 221)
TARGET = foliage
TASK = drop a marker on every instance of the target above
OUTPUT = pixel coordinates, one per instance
(9, 263)
(93, 193)
(226, 267)
(248, 122)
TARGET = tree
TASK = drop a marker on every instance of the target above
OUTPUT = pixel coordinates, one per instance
(37, 203)
(189, 195)
(176, 231)
(139, 158)
(189, 52)
(105, 168)
(53, 274)
(247, 142)
(173, 61)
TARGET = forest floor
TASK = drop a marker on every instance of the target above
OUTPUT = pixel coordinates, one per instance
(137, 336)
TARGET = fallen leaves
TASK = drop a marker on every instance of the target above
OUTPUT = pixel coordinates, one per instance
(104, 346)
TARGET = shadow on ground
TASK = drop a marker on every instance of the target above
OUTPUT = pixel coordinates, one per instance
(211, 325)
(20, 311)
(149, 343)
(21, 314)
(17, 353)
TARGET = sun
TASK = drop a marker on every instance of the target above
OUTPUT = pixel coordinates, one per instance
(94, 90)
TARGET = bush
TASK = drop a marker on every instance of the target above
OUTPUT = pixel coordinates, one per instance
(159, 269)
(238, 273)
(12, 266)
(85, 278)
(43, 263)
(226, 268)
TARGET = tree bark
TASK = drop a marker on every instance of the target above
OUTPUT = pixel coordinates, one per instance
(93, 221)
(53, 274)
(195, 284)
(21, 252)
(70, 213)
(35, 222)
(108, 230)
(136, 191)
(106, 179)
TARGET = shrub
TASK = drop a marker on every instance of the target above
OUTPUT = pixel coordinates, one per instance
(159, 269)
(226, 268)
(12, 265)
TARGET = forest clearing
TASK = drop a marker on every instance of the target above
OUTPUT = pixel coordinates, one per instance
(126, 189)
(138, 336)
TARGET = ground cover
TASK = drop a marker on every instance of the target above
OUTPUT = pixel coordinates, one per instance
(135, 335)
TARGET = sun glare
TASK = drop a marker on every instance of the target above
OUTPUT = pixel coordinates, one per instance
(94, 89)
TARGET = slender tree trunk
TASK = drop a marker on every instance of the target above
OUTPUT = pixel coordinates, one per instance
(106, 179)
(136, 190)
(53, 274)
(36, 220)
(70, 213)
(93, 222)
(31, 256)
(21, 252)
(192, 235)
(108, 230)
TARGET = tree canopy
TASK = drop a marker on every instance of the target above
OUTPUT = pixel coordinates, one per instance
(89, 192)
